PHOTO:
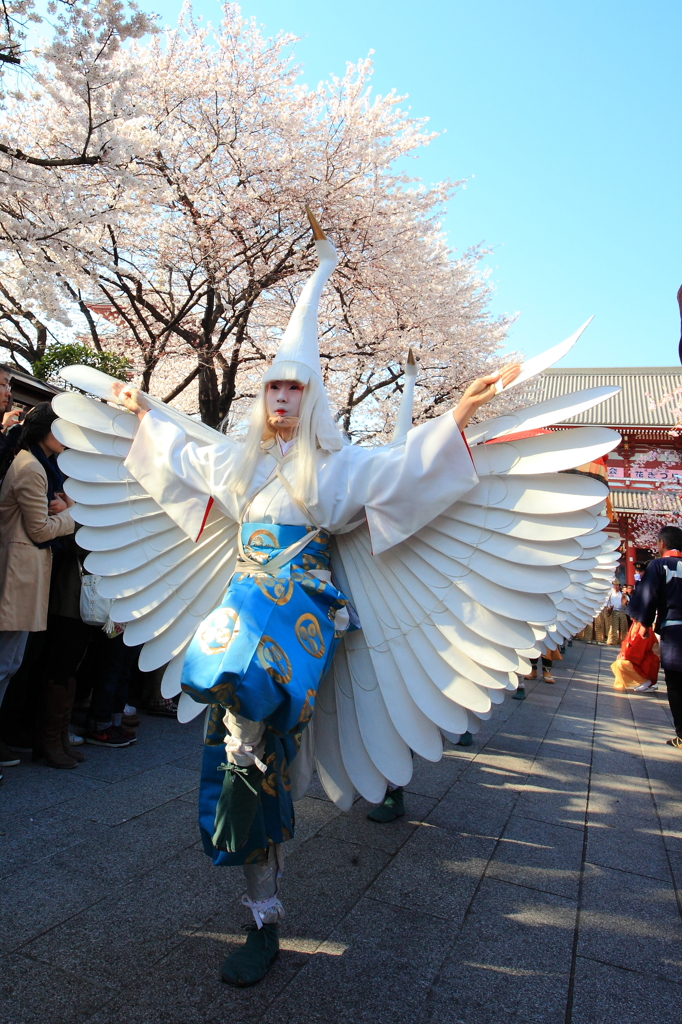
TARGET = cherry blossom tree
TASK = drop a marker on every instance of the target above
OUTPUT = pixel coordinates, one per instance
(184, 244)
(15, 16)
(64, 138)
(646, 527)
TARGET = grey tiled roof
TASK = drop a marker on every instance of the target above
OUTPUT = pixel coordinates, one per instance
(647, 398)
(644, 501)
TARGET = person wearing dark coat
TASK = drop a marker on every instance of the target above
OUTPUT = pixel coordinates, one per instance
(658, 599)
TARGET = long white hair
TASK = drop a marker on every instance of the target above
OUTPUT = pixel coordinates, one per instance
(315, 429)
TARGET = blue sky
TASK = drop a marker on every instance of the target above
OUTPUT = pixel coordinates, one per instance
(564, 118)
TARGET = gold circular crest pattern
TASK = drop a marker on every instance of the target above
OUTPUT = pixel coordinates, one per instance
(277, 589)
(216, 633)
(309, 635)
(313, 562)
(270, 777)
(262, 539)
(274, 660)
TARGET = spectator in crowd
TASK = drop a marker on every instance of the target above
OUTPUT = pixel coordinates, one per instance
(627, 592)
(10, 416)
(547, 677)
(615, 615)
(638, 662)
(596, 632)
(659, 598)
(67, 637)
(34, 513)
(109, 664)
(54, 654)
(9, 419)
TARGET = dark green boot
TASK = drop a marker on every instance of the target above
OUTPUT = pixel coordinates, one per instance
(251, 962)
(237, 806)
(391, 808)
(465, 740)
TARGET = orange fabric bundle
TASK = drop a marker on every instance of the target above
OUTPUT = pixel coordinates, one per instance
(641, 652)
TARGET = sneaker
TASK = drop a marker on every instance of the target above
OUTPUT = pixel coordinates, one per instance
(646, 687)
(19, 739)
(75, 740)
(130, 721)
(163, 706)
(112, 736)
(7, 758)
(129, 710)
(129, 733)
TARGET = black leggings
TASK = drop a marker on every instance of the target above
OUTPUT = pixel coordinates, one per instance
(673, 681)
(546, 662)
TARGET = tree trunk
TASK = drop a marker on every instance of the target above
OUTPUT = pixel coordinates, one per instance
(41, 341)
(209, 393)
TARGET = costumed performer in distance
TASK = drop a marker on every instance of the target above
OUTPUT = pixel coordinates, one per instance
(258, 658)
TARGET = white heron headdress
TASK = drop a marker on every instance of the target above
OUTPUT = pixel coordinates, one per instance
(298, 358)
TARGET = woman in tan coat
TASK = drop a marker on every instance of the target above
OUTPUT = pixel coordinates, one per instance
(33, 514)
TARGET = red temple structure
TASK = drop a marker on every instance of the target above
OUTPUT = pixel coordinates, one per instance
(645, 471)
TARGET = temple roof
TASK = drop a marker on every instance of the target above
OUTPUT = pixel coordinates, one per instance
(651, 396)
(645, 501)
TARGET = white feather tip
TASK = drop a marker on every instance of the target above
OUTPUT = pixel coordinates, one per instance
(537, 364)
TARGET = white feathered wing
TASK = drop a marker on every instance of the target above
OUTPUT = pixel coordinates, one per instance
(162, 583)
(450, 615)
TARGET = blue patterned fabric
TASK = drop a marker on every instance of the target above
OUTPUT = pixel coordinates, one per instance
(262, 654)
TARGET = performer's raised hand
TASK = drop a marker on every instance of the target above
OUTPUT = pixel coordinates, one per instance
(481, 391)
(133, 399)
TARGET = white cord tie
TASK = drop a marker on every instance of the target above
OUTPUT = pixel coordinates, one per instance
(262, 908)
(247, 750)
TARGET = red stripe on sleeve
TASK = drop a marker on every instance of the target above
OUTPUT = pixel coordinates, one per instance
(203, 521)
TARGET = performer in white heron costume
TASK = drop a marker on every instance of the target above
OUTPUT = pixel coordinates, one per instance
(235, 562)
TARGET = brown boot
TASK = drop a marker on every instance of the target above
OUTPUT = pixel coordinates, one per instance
(70, 751)
(55, 703)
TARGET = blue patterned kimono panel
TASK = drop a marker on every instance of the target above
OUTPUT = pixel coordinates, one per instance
(263, 652)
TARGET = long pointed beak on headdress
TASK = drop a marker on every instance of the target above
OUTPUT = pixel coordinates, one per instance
(318, 233)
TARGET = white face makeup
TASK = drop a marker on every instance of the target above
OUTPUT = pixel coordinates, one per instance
(283, 398)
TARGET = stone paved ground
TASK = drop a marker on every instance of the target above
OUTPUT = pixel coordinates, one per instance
(535, 877)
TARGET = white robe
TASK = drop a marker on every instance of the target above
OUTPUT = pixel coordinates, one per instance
(399, 489)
